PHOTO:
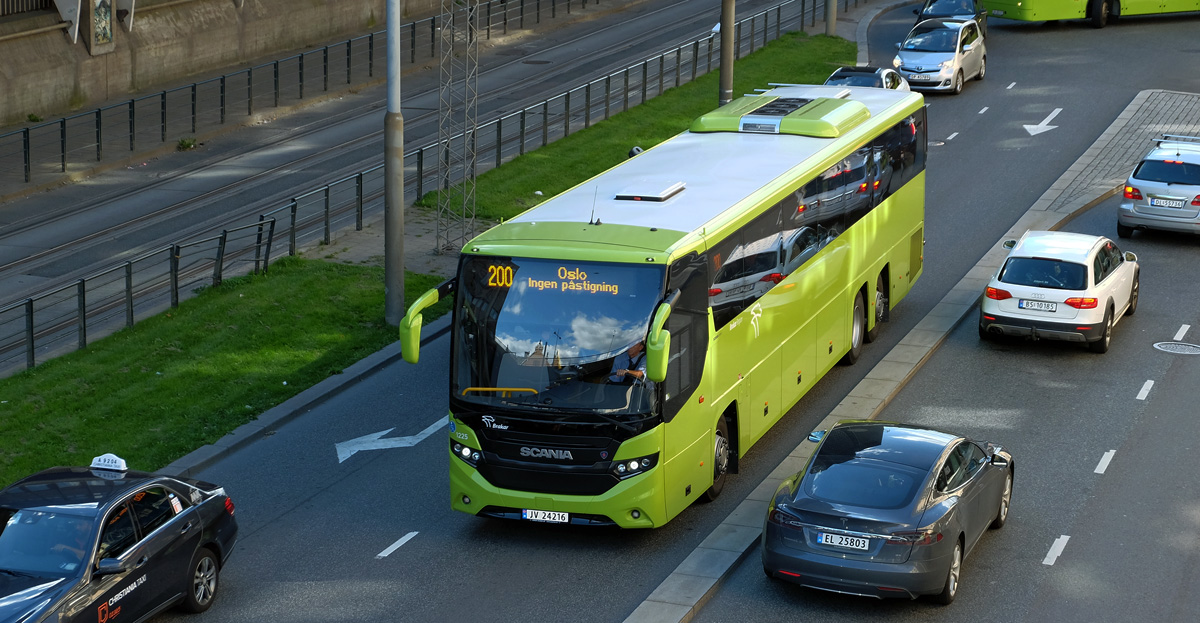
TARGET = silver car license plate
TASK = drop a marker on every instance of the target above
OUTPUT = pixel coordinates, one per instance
(547, 516)
(918, 76)
(1166, 203)
(841, 540)
(1038, 305)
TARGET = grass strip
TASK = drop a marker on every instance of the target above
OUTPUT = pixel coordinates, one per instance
(185, 378)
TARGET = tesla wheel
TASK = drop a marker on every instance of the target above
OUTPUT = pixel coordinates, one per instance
(880, 305)
(1100, 11)
(1101, 345)
(720, 461)
(1005, 500)
(1133, 294)
(982, 68)
(858, 330)
(202, 586)
(1123, 231)
(952, 574)
(958, 82)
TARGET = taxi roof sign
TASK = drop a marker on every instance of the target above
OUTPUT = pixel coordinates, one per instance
(109, 461)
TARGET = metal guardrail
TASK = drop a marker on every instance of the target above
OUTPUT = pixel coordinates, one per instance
(68, 317)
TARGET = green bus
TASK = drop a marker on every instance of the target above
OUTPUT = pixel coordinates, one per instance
(616, 349)
(1098, 11)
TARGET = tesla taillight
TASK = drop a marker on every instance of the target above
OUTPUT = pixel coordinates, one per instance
(229, 505)
(918, 537)
(1081, 302)
(998, 294)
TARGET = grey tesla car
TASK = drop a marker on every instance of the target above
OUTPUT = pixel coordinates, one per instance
(884, 509)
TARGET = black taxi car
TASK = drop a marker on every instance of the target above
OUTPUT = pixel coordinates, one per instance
(106, 544)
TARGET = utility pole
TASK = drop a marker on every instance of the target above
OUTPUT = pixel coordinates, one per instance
(393, 175)
(727, 44)
(831, 18)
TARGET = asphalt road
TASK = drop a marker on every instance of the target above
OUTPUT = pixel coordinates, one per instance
(314, 530)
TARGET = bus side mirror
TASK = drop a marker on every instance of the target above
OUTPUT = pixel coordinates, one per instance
(410, 326)
(658, 346)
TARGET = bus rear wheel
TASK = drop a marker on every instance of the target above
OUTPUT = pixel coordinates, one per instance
(880, 304)
(858, 330)
(720, 461)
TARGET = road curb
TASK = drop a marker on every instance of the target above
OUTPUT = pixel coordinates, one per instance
(668, 602)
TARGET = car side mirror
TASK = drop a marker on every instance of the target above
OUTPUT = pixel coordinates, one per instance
(110, 566)
(1130, 256)
(999, 461)
(897, 46)
(967, 47)
(816, 436)
(916, 11)
(1008, 244)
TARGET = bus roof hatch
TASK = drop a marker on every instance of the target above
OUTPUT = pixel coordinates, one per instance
(821, 117)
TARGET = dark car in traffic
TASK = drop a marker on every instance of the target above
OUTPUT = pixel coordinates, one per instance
(108, 544)
(884, 509)
(954, 9)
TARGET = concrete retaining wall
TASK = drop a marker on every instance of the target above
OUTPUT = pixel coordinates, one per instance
(46, 75)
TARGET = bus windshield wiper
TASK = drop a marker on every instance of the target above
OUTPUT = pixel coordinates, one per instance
(571, 411)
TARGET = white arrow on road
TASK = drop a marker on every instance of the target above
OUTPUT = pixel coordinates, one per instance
(374, 441)
(1044, 126)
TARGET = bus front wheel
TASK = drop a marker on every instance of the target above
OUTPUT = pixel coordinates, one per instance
(1100, 12)
(858, 330)
(720, 461)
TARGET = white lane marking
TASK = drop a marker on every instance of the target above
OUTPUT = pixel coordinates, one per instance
(1182, 331)
(1145, 390)
(395, 546)
(1010, 86)
(984, 110)
(951, 137)
(1056, 550)
(374, 441)
(1044, 126)
(1104, 461)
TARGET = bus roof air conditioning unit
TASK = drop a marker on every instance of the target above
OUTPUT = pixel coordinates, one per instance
(641, 194)
(821, 117)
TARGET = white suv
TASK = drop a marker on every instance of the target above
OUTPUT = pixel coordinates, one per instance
(1060, 286)
(1164, 190)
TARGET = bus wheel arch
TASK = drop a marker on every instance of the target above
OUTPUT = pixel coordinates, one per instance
(879, 303)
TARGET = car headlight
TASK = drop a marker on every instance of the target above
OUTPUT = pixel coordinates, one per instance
(896, 62)
(627, 468)
(946, 64)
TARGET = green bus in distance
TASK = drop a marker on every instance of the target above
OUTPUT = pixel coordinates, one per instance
(616, 349)
(1098, 11)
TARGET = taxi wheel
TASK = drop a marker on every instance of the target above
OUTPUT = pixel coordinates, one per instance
(202, 585)
(720, 461)
(1101, 345)
(951, 588)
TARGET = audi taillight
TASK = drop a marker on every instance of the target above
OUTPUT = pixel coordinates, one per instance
(1081, 302)
(714, 291)
(1132, 193)
(774, 278)
(916, 537)
(998, 294)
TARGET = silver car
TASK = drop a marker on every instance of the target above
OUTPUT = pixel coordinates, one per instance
(886, 510)
(942, 54)
(1164, 190)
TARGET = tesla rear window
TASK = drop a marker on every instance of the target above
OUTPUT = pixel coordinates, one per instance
(1044, 273)
(1168, 172)
(870, 484)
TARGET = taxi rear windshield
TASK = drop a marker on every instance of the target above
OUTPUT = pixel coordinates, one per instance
(1168, 172)
(1044, 273)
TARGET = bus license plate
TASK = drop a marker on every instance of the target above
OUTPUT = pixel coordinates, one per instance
(1166, 203)
(547, 516)
(841, 540)
(1038, 305)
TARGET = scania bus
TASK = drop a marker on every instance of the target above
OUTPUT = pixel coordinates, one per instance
(749, 254)
(1098, 11)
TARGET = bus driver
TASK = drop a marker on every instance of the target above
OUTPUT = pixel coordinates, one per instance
(630, 366)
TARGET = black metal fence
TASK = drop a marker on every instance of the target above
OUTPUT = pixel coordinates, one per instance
(66, 318)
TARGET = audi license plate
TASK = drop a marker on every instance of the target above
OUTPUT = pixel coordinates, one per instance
(1045, 306)
(1166, 203)
(918, 77)
(841, 540)
(547, 516)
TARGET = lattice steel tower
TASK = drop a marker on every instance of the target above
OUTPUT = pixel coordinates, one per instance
(458, 100)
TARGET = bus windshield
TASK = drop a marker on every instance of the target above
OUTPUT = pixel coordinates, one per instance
(547, 335)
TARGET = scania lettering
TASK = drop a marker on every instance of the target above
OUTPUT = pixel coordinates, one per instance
(615, 350)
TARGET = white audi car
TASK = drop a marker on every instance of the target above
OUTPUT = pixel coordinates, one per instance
(1060, 286)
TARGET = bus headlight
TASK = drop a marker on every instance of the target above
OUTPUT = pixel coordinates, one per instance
(467, 454)
(626, 468)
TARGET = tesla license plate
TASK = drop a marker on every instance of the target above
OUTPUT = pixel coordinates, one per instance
(1166, 203)
(1038, 305)
(547, 516)
(841, 540)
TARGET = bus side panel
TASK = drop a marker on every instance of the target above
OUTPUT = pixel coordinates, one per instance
(1036, 10)
(836, 299)
(688, 473)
